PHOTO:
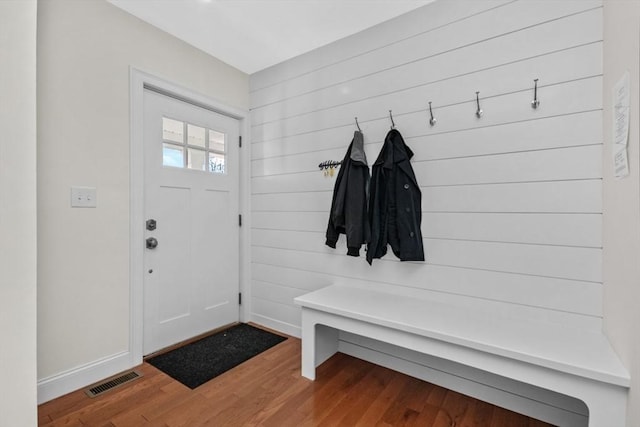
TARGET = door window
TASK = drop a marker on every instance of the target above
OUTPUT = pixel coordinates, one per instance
(186, 145)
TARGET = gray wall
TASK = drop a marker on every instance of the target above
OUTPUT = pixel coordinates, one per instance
(85, 51)
(622, 198)
(18, 213)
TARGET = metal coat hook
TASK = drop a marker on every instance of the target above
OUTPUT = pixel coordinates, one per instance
(393, 125)
(358, 125)
(479, 110)
(536, 102)
(432, 120)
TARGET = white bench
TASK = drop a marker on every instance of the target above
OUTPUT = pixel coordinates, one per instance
(571, 362)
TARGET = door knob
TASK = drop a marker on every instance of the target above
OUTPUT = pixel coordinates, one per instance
(152, 243)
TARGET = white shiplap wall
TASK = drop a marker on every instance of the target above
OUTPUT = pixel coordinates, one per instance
(511, 201)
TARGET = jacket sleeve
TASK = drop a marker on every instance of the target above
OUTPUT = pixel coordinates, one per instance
(336, 215)
(375, 221)
(332, 233)
(357, 227)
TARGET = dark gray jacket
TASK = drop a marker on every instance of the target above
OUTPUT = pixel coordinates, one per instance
(349, 205)
(395, 199)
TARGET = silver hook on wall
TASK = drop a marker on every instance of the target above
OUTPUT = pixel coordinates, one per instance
(536, 102)
(393, 125)
(479, 110)
(432, 120)
(358, 125)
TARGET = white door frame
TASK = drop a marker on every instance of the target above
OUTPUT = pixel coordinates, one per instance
(138, 81)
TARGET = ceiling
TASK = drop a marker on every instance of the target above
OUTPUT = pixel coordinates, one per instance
(254, 34)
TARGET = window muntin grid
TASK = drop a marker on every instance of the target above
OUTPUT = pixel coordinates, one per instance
(189, 146)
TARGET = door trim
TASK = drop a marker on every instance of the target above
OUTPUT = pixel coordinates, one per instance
(139, 80)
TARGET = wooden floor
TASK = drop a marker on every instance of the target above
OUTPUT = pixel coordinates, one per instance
(268, 391)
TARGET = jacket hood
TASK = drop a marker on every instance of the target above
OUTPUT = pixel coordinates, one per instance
(400, 152)
(395, 151)
(357, 148)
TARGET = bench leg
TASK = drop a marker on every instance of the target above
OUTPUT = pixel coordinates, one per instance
(608, 409)
(319, 343)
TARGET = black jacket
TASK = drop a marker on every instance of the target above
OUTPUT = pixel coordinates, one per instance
(349, 205)
(395, 210)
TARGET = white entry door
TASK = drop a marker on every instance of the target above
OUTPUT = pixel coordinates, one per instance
(192, 233)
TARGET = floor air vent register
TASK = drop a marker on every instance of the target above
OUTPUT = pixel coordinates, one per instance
(112, 383)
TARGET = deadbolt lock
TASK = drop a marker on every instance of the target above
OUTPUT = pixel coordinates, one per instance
(151, 224)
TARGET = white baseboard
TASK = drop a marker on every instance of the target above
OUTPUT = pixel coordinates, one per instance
(494, 390)
(276, 325)
(60, 384)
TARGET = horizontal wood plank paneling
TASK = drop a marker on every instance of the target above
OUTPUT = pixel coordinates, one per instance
(285, 313)
(566, 130)
(548, 165)
(291, 202)
(500, 107)
(386, 34)
(477, 285)
(290, 277)
(540, 197)
(545, 197)
(575, 97)
(495, 24)
(550, 261)
(511, 201)
(578, 162)
(583, 230)
(545, 229)
(543, 260)
(275, 292)
(443, 75)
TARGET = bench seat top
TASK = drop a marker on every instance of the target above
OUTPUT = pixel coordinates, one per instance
(550, 345)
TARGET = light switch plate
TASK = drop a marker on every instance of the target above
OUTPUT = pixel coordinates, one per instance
(83, 197)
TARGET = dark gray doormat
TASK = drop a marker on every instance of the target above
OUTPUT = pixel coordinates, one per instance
(196, 363)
